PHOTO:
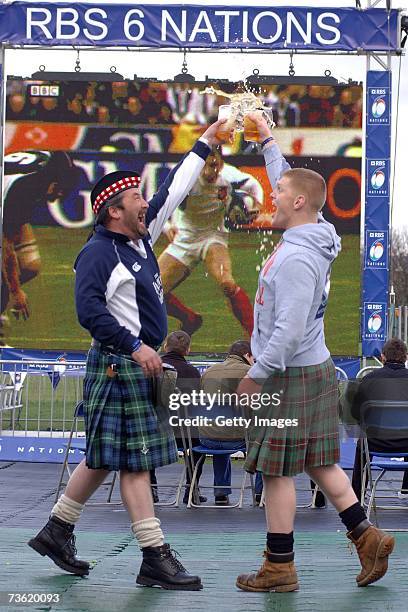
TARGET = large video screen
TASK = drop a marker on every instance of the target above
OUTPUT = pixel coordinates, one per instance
(61, 137)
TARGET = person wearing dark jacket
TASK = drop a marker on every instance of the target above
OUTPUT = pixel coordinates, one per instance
(119, 300)
(387, 383)
(177, 346)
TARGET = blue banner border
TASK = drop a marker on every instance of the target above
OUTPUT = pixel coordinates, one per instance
(192, 26)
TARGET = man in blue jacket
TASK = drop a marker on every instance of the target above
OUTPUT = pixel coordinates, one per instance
(119, 300)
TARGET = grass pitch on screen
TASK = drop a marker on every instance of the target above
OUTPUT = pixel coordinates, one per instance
(53, 323)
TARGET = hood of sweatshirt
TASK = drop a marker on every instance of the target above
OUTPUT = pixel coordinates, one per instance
(320, 237)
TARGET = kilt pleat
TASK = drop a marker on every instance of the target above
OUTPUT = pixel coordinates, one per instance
(310, 395)
(124, 430)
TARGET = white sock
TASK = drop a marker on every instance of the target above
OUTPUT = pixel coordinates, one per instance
(67, 509)
(148, 532)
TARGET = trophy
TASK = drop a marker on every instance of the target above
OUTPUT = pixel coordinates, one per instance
(241, 105)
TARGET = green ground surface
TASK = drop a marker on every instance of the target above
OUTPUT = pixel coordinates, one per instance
(53, 324)
(325, 566)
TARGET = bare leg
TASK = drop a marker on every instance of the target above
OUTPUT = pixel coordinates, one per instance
(172, 271)
(136, 494)
(335, 484)
(280, 503)
(218, 264)
(27, 252)
(84, 482)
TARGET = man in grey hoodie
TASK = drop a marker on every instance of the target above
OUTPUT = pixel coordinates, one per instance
(301, 434)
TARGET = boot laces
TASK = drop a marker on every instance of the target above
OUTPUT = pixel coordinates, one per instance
(173, 554)
(71, 545)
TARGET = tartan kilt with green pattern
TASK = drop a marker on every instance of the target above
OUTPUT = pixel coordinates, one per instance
(124, 430)
(310, 395)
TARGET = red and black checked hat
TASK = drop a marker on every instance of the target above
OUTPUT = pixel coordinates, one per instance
(112, 184)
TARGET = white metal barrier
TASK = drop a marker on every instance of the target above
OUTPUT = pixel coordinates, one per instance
(38, 398)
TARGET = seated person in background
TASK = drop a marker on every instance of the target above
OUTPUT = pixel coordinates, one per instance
(387, 383)
(177, 346)
(224, 378)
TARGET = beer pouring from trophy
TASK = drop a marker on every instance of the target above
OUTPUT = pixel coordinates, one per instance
(237, 115)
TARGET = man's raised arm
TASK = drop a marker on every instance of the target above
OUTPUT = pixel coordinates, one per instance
(180, 181)
(275, 163)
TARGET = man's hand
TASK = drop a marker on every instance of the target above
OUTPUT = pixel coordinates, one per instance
(149, 360)
(210, 133)
(19, 305)
(263, 128)
(248, 387)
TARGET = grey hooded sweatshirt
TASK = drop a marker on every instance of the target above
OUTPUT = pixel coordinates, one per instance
(292, 294)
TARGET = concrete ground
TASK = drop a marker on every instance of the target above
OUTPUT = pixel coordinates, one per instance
(217, 544)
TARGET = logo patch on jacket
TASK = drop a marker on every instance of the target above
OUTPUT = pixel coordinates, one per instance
(157, 284)
(136, 267)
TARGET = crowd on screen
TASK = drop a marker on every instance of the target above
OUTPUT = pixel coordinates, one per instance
(155, 103)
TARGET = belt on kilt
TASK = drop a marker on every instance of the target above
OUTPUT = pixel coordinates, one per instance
(105, 348)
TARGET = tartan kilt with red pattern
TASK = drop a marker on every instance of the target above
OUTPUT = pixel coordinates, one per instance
(310, 395)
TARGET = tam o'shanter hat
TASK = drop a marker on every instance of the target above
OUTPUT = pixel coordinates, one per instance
(112, 184)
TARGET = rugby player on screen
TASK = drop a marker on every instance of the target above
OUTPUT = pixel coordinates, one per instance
(31, 178)
(199, 233)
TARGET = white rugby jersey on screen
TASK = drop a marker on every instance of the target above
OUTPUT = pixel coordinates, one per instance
(204, 208)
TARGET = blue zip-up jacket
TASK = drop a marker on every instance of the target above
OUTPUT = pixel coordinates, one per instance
(118, 290)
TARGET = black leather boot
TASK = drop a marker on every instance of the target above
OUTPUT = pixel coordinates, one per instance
(161, 568)
(57, 541)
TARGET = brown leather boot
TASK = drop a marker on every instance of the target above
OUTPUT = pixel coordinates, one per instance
(278, 577)
(373, 547)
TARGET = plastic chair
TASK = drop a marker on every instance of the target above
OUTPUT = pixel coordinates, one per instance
(382, 419)
(366, 370)
(179, 486)
(80, 444)
(182, 433)
(227, 411)
(211, 451)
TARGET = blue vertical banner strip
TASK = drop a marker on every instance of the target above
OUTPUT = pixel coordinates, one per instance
(377, 213)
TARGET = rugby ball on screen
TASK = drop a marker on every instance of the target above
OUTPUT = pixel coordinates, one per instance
(241, 210)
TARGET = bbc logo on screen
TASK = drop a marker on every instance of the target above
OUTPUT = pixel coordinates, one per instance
(45, 90)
